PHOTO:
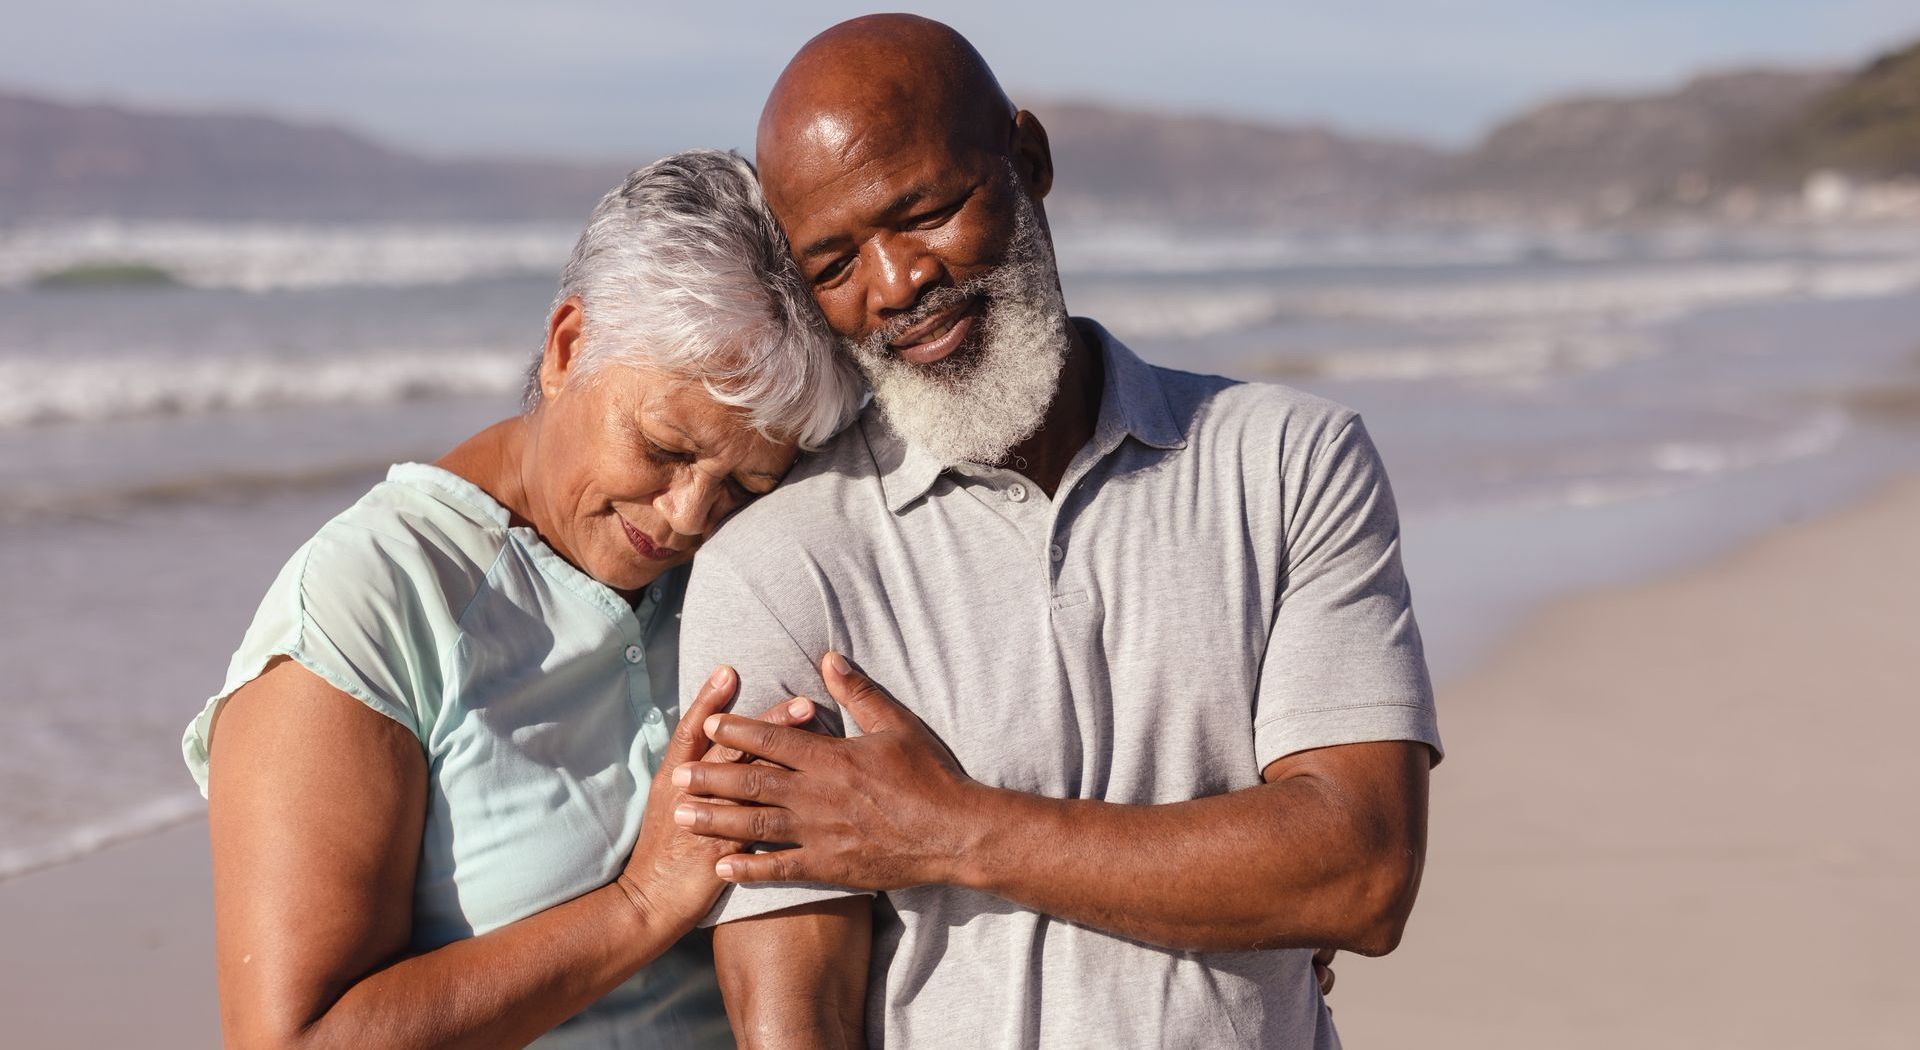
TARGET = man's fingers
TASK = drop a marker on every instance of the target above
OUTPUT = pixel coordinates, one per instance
(782, 744)
(689, 739)
(785, 865)
(795, 712)
(739, 823)
(872, 709)
(767, 785)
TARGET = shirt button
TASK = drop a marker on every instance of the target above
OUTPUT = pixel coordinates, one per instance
(1017, 493)
(1055, 552)
(634, 655)
(653, 716)
(655, 592)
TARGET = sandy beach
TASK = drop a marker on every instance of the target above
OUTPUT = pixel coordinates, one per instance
(1678, 814)
(1681, 815)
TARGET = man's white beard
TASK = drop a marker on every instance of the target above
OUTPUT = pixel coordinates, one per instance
(978, 405)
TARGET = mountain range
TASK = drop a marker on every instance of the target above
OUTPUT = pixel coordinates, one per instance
(1752, 131)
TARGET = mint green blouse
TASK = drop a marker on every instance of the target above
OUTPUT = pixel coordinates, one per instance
(542, 702)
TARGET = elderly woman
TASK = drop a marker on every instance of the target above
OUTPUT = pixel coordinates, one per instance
(438, 772)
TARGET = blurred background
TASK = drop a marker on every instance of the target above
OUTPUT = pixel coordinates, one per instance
(1620, 288)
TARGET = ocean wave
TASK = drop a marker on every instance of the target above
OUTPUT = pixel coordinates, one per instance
(1641, 296)
(81, 839)
(268, 257)
(62, 390)
(1507, 358)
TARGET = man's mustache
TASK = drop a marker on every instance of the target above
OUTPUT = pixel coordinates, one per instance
(932, 303)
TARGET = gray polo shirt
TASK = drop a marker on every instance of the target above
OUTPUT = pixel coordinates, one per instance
(1215, 585)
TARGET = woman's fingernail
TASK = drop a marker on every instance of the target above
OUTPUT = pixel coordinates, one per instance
(683, 777)
(710, 725)
(683, 815)
(720, 676)
(798, 708)
(839, 663)
(723, 869)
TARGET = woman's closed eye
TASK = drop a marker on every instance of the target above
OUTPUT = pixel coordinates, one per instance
(663, 455)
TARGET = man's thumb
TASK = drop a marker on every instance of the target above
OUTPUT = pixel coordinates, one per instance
(872, 709)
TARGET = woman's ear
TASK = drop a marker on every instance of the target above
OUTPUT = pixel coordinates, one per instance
(563, 347)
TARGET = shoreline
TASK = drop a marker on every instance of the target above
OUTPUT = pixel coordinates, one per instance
(1669, 813)
(1554, 826)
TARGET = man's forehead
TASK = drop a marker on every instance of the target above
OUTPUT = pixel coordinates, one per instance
(841, 162)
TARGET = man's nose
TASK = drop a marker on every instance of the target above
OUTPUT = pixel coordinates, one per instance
(902, 271)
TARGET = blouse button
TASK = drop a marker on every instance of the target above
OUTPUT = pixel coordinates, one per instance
(1017, 492)
(634, 655)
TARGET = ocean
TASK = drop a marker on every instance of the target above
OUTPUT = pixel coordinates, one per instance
(1559, 410)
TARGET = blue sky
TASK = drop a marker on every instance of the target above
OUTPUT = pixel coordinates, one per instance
(608, 79)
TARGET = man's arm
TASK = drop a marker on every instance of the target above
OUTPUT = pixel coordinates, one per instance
(1326, 853)
(792, 960)
(798, 978)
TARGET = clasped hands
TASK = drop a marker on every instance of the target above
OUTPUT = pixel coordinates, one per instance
(881, 811)
(886, 810)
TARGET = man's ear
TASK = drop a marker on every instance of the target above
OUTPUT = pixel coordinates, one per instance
(563, 347)
(1032, 157)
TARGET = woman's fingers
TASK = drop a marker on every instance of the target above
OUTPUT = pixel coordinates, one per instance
(689, 740)
(1323, 969)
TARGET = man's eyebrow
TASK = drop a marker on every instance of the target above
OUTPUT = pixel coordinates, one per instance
(823, 246)
(828, 245)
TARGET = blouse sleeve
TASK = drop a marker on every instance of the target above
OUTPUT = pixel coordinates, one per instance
(347, 607)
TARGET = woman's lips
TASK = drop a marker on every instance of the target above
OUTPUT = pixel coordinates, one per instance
(926, 353)
(646, 547)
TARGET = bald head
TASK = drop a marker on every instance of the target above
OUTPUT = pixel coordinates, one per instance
(875, 82)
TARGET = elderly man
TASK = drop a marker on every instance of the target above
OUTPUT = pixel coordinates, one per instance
(1163, 722)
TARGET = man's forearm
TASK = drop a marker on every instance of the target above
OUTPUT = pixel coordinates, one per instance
(1298, 863)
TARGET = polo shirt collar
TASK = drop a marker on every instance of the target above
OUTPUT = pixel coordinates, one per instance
(1132, 404)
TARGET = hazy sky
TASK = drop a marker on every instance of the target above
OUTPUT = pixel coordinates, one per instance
(602, 78)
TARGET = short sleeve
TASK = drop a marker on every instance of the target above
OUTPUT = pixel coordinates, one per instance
(728, 621)
(1344, 662)
(346, 608)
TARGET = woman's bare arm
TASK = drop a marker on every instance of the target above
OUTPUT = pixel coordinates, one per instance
(316, 805)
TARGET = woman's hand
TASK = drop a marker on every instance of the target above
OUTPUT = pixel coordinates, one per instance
(670, 876)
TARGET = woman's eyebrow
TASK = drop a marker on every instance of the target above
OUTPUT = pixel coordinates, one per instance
(764, 475)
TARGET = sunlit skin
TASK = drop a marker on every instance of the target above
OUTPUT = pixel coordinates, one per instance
(884, 151)
(624, 471)
(881, 211)
(316, 803)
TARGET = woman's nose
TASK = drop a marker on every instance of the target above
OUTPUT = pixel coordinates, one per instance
(690, 502)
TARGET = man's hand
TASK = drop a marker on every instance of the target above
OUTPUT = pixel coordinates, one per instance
(877, 812)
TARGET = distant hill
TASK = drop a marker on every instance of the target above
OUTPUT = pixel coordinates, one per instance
(59, 160)
(1117, 163)
(1612, 154)
(1867, 126)
(1711, 142)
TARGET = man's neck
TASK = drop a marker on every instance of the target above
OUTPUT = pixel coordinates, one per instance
(1071, 417)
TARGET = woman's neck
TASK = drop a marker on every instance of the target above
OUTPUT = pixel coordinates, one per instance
(494, 460)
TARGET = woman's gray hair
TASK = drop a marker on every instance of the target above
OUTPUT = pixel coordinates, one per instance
(683, 268)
